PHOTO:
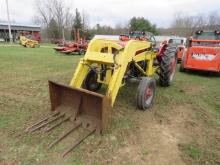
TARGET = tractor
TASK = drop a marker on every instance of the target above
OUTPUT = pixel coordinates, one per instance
(110, 65)
(203, 52)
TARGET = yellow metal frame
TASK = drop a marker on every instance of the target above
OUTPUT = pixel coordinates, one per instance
(116, 68)
(24, 41)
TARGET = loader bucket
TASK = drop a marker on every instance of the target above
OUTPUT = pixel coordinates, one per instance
(82, 108)
(89, 107)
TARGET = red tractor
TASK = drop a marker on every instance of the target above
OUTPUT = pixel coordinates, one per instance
(203, 52)
(78, 46)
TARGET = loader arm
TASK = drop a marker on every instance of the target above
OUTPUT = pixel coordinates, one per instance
(124, 58)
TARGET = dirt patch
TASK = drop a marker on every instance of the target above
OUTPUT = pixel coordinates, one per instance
(12, 96)
(154, 138)
(8, 162)
(161, 133)
(192, 89)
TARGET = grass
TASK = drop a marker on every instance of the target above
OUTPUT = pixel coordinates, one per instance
(193, 152)
(145, 152)
(24, 99)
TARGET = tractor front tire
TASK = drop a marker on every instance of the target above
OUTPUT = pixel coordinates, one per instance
(168, 66)
(146, 93)
(90, 83)
(182, 69)
(81, 52)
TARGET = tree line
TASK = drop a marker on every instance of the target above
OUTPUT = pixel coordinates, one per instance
(185, 25)
(59, 21)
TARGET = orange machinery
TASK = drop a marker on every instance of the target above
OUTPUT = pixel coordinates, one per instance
(78, 46)
(203, 52)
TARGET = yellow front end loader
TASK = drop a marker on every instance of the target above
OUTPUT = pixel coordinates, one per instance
(108, 63)
(28, 42)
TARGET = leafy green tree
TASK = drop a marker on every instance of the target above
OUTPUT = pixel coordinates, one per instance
(53, 30)
(77, 24)
(142, 24)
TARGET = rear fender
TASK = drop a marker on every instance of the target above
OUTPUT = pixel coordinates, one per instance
(161, 51)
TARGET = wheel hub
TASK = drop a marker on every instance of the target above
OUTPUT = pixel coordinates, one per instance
(172, 68)
(148, 94)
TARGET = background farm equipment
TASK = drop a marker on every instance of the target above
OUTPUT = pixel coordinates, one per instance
(181, 45)
(78, 46)
(28, 41)
(180, 42)
(109, 63)
(203, 52)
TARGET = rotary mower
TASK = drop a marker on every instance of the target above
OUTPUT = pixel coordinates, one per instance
(111, 64)
(203, 52)
(78, 46)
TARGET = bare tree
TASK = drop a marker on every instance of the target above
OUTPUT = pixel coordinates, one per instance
(56, 10)
(186, 25)
(182, 24)
(44, 15)
(213, 21)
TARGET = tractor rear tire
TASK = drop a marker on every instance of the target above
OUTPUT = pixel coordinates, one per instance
(146, 93)
(90, 83)
(168, 66)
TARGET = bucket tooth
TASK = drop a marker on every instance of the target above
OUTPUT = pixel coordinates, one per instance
(54, 126)
(80, 140)
(48, 122)
(64, 135)
(41, 121)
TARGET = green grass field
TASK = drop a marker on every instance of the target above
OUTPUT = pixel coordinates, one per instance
(183, 127)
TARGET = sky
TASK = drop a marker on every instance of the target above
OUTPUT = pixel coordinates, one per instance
(114, 12)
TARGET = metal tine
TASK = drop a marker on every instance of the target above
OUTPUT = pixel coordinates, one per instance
(64, 135)
(41, 121)
(48, 122)
(54, 126)
(78, 142)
